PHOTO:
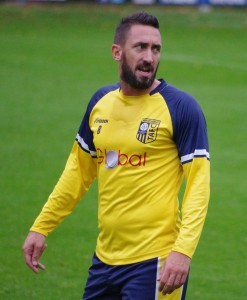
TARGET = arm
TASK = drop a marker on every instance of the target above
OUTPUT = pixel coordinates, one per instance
(76, 178)
(190, 135)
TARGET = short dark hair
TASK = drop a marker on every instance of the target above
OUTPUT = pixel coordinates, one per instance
(139, 18)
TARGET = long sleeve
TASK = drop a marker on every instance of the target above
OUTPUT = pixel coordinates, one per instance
(79, 173)
(190, 136)
(194, 205)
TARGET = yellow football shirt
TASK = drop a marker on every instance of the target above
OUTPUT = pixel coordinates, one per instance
(139, 148)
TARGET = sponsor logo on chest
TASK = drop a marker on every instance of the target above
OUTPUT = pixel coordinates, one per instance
(112, 158)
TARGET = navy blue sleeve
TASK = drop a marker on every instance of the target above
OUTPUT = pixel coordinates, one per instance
(189, 125)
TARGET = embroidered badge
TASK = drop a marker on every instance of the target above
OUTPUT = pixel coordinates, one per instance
(148, 130)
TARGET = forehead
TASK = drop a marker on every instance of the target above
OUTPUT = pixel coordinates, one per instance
(144, 34)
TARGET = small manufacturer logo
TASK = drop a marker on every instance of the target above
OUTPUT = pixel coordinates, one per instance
(101, 121)
(148, 130)
(112, 158)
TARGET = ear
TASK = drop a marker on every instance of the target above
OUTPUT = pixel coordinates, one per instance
(116, 52)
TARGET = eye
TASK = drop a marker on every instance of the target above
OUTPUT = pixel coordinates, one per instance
(141, 46)
(156, 49)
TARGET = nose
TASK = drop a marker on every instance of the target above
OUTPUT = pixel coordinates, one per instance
(148, 56)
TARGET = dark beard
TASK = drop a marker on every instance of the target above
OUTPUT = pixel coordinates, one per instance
(129, 77)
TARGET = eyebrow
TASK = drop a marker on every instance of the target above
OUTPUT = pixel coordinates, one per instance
(158, 46)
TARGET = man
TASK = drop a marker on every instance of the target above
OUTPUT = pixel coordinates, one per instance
(139, 138)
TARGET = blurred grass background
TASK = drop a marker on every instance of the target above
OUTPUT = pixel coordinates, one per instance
(53, 57)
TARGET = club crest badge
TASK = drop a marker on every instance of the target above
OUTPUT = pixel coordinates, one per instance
(148, 130)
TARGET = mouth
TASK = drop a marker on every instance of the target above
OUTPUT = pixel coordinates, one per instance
(145, 70)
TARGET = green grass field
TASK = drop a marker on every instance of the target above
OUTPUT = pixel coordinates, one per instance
(52, 59)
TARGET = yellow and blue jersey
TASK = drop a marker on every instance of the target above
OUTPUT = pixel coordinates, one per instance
(139, 148)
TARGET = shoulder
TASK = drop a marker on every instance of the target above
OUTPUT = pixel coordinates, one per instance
(186, 113)
(177, 98)
(100, 93)
(181, 104)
